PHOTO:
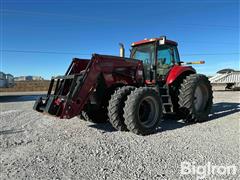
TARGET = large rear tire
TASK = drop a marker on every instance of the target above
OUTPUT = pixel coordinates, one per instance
(115, 108)
(195, 98)
(143, 111)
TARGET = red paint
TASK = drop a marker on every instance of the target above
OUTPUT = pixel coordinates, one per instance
(177, 71)
(79, 65)
(154, 40)
(114, 70)
(83, 76)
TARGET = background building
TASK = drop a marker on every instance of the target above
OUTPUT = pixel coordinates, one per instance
(28, 78)
(226, 79)
(2, 79)
(6, 80)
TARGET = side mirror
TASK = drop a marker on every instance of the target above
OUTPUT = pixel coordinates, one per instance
(181, 62)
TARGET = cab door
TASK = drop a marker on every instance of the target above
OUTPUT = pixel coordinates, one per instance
(167, 56)
(147, 55)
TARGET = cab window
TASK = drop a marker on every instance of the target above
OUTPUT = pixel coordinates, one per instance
(144, 53)
(164, 55)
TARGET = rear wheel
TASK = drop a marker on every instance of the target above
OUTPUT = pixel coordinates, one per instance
(195, 98)
(115, 108)
(143, 111)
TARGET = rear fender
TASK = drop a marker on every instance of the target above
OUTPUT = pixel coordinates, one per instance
(177, 71)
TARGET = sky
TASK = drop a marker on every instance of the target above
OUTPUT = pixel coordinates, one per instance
(41, 37)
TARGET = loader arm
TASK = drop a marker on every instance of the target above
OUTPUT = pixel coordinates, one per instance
(68, 94)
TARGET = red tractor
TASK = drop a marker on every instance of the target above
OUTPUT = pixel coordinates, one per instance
(132, 93)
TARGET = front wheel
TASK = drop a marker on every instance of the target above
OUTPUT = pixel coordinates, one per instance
(143, 111)
(115, 107)
(195, 98)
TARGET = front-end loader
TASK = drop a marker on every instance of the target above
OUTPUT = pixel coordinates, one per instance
(132, 93)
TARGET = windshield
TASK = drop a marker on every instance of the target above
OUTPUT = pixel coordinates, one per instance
(144, 53)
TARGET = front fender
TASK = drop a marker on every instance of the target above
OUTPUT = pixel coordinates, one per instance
(177, 70)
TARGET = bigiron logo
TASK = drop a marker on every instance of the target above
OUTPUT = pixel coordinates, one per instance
(207, 170)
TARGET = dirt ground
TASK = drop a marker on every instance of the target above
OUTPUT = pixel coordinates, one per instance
(36, 146)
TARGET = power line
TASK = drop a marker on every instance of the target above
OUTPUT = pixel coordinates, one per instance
(40, 52)
(211, 26)
(106, 20)
(76, 53)
(30, 13)
(210, 54)
(205, 42)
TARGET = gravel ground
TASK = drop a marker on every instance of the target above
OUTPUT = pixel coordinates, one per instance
(36, 146)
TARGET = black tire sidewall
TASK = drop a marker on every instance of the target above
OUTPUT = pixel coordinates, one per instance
(186, 101)
(133, 123)
(203, 114)
(116, 105)
(140, 99)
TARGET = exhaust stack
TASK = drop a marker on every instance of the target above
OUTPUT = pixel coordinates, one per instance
(122, 50)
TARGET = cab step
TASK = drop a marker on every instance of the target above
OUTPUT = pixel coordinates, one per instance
(166, 100)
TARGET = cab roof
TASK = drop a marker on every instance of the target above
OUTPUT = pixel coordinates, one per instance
(145, 41)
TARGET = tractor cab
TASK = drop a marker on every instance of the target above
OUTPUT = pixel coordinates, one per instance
(158, 56)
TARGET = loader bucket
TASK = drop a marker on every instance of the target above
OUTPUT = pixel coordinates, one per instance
(61, 91)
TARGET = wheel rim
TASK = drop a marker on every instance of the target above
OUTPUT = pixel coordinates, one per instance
(200, 98)
(148, 112)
